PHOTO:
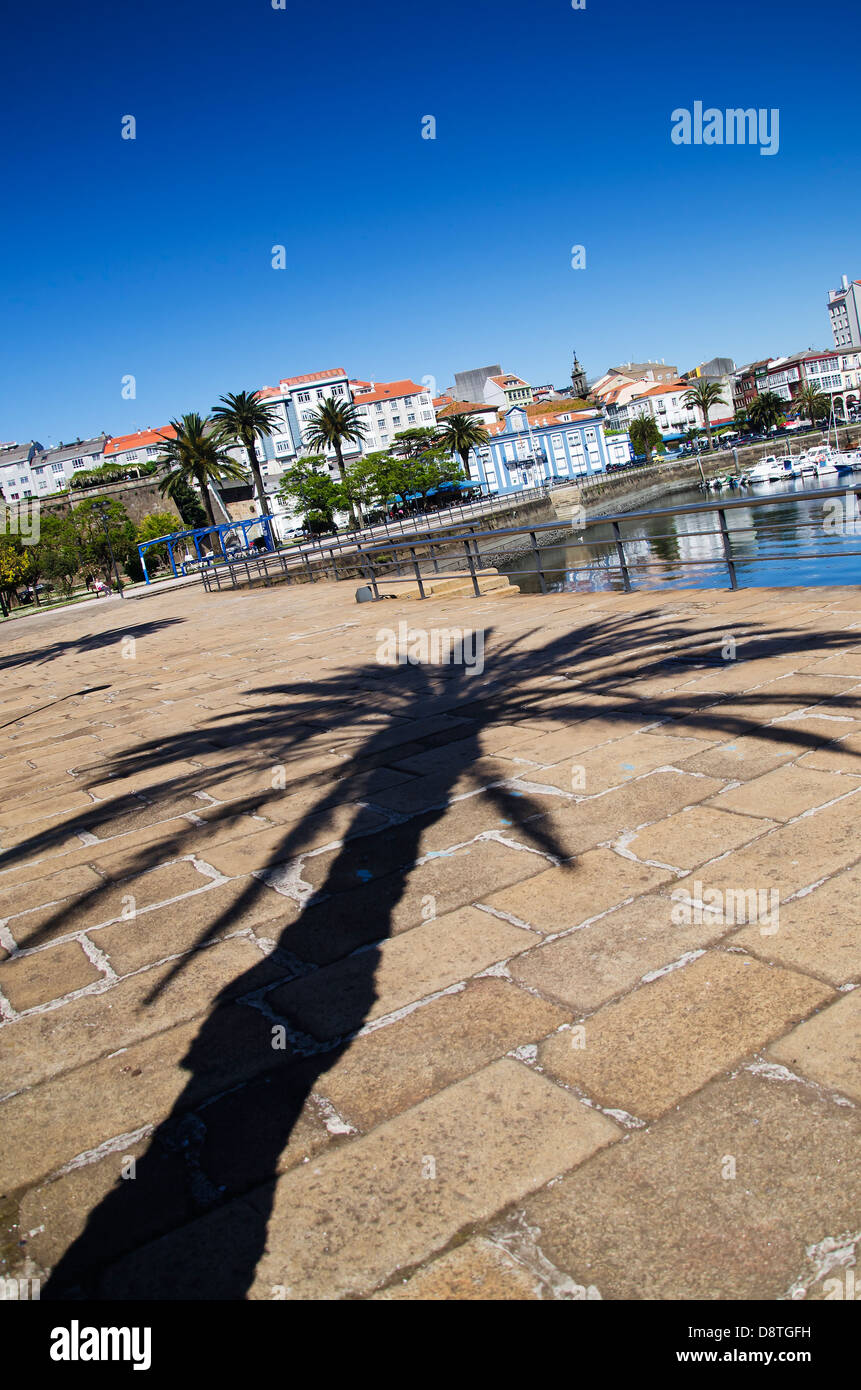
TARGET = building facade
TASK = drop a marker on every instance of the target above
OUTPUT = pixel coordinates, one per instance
(507, 390)
(386, 408)
(28, 470)
(844, 309)
(524, 452)
(131, 450)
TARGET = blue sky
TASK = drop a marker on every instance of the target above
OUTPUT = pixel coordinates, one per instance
(405, 257)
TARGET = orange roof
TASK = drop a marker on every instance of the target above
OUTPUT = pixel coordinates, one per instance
(389, 390)
(123, 442)
(662, 390)
(545, 420)
(450, 407)
(312, 376)
(510, 377)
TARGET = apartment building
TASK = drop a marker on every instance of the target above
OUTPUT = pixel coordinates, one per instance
(386, 408)
(524, 451)
(131, 450)
(844, 309)
(28, 470)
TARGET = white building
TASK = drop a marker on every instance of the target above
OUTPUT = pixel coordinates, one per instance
(844, 308)
(28, 470)
(386, 408)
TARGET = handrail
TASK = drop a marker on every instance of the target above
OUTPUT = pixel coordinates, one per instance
(469, 539)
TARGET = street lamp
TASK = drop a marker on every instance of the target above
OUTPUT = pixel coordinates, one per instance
(102, 509)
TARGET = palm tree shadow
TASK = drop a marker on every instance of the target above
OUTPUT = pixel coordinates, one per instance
(314, 993)
(206, 1179)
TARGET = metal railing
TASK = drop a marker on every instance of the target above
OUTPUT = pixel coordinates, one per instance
(473, 564)
(400, 560)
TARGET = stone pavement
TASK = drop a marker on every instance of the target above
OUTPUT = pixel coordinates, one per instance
(529, 978)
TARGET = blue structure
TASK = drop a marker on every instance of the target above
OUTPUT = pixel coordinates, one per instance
(526, 452)
(227, 530)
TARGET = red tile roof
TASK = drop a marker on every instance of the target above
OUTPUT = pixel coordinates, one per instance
(450, 407)
(123, 442)
(312, 376)
(509, 377)
(390, 390)
(664, 389)
(542, 421)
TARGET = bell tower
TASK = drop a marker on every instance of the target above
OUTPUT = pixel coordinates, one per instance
(578, 378)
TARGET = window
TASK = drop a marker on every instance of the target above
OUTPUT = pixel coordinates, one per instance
(39, 471)
(396, 420)
(379, 408)
(427, 414)
(153, 449)
(77, 463)
(337, 390)
(57, 468)
(130, 458)
(304, 396)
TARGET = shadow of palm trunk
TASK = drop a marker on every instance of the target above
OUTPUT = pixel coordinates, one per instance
(206, 1180)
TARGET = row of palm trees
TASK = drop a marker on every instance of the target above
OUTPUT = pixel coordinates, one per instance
(199, 451)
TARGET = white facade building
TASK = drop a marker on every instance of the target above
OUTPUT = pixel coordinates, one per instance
(386, 408)
(844, 308)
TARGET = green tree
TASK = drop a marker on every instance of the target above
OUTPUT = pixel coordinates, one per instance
(766, 410)
(741, 420)
(460, 434)
(15, 566)
(189, 505)
(197, 455)
(242, 416)
(704, 396)
(316, 495)
(331, 426)
(812, 404)
(92, 539)
(645, 435)
(154, 525)
(56, 556)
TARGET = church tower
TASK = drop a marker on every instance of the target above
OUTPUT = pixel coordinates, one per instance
(578, 378)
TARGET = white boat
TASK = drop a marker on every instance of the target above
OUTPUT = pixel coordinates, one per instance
(782, 468)
(761, 472)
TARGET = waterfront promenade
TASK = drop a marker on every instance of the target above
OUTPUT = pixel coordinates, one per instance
(525, 979)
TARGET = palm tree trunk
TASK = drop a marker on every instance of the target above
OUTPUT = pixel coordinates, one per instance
(210, 514)
(708, 424)
(259, 487)
(340, 464)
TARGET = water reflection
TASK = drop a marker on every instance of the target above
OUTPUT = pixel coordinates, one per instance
(770, 545)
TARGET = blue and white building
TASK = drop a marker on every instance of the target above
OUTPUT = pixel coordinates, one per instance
(526, 451)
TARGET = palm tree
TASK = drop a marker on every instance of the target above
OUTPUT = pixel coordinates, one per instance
(811, 403)
(241, 416)
(197, 454)
(460, 435)
(766, 410)
(645, 435)
(333, 423)
(704, 395)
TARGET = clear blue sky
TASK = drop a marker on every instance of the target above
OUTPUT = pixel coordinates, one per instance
(406, 257)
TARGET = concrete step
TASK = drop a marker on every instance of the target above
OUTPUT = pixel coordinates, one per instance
(489, 582)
